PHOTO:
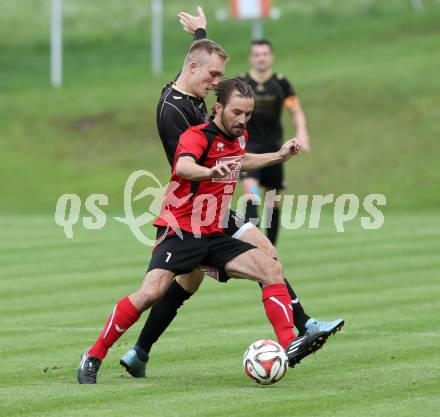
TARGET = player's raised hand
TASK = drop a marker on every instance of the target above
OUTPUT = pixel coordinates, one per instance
(290, 148)
(223, 169)
(191, 23)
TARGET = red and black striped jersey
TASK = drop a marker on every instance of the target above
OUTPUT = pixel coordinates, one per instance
(199, 207)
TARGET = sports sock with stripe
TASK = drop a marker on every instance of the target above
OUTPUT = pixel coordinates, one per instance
(278, 307)
(123, 316)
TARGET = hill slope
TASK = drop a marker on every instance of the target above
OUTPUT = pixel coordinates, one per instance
(367, 77)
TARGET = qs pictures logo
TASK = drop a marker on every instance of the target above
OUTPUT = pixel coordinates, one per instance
(68, 208)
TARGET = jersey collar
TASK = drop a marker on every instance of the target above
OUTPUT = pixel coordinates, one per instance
(183, 92)
(260, 79)
(213, 126)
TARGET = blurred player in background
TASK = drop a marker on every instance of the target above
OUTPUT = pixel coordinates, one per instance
(182, 105)
(273, 92)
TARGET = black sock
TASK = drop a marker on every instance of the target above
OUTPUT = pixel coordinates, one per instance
(251, 211)
(272, 231)
(299, 315)
(161, 315)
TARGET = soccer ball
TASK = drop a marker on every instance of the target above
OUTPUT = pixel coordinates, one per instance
(265, 362)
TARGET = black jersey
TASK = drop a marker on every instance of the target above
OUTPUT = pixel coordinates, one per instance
(177, 111)
(265, 130)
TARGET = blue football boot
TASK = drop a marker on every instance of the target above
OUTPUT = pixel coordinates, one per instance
(330, 327)
(135, 362)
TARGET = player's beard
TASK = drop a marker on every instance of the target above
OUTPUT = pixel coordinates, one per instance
(230, 129)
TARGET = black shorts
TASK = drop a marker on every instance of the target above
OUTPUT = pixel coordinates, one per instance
(182, 256)
(271, 177)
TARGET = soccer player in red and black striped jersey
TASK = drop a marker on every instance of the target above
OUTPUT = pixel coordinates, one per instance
(182, 105)
(206, 167)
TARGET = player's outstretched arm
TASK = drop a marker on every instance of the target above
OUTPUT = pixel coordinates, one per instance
(195, 25)
(191, 23)
(189, 169)
(252, 161)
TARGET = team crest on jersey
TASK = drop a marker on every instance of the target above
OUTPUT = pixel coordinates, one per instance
(242, 142)
(235, 172)
(220, 146)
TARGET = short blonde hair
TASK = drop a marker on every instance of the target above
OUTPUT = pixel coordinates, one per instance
(200, 48)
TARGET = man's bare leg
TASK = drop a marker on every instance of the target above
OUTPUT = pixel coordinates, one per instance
(254, 236)
(191, 282)
(257, 265)
(160, 317)
(124, 315)
(181, 289)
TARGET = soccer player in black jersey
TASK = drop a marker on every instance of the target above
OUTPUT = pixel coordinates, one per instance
(273, 93)
(207, 162)
(181, 106)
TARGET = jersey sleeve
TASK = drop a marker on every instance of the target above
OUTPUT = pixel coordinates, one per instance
(191, 143)
(290, 97)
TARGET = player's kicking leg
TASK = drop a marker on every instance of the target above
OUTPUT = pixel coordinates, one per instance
(257, 265)
(272, 178)
(303, 322)
(164, 311)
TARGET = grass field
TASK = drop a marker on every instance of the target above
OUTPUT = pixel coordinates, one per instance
(367, 75)
(56, 295)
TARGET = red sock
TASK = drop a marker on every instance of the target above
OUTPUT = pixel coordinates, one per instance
(122, 317)
(278, 306)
